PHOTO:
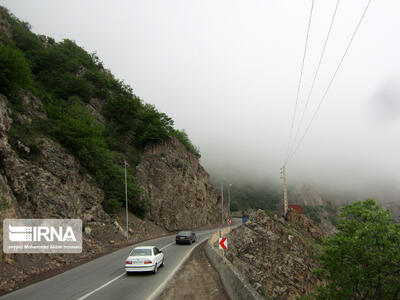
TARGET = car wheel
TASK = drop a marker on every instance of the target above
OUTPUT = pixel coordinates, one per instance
(162, 263)
(155, 269)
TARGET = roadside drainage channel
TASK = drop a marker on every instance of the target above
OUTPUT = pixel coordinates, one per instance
(235, 284)
(164, 284)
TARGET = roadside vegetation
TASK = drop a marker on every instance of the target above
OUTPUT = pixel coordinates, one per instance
(252, 197)
(318, 213)
(362, 261)
(65, 78)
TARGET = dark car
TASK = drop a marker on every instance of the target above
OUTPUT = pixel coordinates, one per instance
(185, 237)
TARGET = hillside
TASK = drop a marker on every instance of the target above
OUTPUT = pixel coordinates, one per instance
(277, 255)
(66, 127)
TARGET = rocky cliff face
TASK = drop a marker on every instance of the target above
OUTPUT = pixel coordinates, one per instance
(51, 184)
(43, 177)
(179, 187)
(276, 256)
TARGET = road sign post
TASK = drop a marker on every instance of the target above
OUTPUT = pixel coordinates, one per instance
(223, 245)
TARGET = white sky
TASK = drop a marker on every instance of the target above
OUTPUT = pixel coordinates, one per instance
(227, 72)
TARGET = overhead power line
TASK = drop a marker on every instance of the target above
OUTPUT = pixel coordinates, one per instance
(315, 76)
(300, 79)
(330, 82)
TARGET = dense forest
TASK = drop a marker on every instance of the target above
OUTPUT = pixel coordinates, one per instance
(66, 78)
(254, 196)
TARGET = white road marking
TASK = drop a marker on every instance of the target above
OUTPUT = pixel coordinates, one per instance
(112, 280)
(160, 287)
(165, 247)
(99, 288)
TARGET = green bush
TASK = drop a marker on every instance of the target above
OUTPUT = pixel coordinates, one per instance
(313, 212)
(182, 136)
(75, 128)
(28, 137)
(121, 111)
(126, 113)
(244, 197)
(152, 125)
(65, 77)
(362, 260)
(14, 70)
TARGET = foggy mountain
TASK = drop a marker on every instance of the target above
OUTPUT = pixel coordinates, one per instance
(226, 74)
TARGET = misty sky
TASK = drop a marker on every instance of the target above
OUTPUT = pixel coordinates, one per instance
(227, 72)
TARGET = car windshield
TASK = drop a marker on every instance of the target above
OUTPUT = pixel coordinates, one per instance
(185, 233)
(140, 252)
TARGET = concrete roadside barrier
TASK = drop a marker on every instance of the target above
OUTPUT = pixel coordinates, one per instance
(236, 285)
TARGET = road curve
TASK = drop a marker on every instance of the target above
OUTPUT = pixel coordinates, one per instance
(105, 278)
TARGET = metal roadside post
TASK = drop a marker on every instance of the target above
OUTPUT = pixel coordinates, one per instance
(126, 203)
(223, 245)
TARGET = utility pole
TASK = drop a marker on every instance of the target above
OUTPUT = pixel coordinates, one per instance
(229, 199)
(126, 203)
(222, 203)
(285, 198)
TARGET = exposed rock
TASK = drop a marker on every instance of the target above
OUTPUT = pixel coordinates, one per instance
(44, 40)
(105, 71)
(119, 227)
(98, 116)
(10, 261)
(88, 217)
(23, 148)
(88, 230)
(304, 224)
(52, 186)
(5, 27)
(178, 186)
(97, 104)
(33, 105)
(277, 258)
(81, 71)
(5, 120)
(22, 119)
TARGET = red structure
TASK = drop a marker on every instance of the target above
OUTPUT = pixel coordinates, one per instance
(296, 207)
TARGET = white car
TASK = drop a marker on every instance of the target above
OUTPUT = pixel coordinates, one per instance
(145, 258)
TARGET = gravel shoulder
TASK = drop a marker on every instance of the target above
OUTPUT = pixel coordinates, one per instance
(196, 280)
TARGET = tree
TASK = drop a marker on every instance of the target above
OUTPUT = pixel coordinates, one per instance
(313, 212)
(362, 261)
(182, 136)
(14, 70)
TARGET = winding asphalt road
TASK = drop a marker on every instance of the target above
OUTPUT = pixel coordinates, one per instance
(105, 278)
